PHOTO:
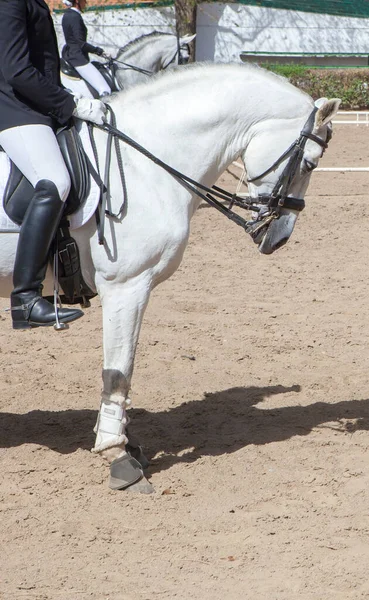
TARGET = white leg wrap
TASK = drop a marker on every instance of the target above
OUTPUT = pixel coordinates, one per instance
(110, 426)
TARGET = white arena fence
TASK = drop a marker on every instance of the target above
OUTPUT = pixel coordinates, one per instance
(361, 117)
(344, 117)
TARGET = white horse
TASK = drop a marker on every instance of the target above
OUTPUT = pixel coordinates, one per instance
(138, 60)
(198, 119)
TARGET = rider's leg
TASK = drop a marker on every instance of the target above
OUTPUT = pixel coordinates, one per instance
(94, 78)
(35, 151)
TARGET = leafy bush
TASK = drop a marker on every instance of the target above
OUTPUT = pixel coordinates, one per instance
(351, 85)
(287, 70)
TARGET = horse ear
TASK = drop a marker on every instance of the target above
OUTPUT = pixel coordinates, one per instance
(187, 39)
(327, 109)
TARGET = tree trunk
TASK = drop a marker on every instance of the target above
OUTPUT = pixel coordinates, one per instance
(186, 20)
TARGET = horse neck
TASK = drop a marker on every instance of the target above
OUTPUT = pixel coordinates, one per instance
(150, 53)
(201, 125)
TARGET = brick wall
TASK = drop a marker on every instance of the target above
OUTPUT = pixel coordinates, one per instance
(58, 4)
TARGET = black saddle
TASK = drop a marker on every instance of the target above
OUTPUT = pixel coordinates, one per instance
(107, 70)
(18, 190)
(68, 69)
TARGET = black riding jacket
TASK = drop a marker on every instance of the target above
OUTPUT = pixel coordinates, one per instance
(76, 47)
(30, 87)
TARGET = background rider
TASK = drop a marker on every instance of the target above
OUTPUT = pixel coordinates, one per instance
(76, 50)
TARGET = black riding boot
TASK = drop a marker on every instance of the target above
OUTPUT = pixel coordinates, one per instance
(37, 232)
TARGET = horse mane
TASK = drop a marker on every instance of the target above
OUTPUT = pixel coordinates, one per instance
(162, 82)
(145, 36)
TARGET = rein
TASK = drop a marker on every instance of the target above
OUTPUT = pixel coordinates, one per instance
(132, 67)
(247, 203)
(274, 202)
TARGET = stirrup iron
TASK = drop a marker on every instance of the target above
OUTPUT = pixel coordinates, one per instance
(57, 304)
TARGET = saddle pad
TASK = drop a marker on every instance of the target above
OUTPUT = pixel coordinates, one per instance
(76, 220)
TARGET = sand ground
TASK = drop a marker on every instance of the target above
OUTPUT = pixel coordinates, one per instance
(251, 397)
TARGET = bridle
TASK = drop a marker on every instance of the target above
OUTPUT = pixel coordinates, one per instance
(181, 58)
(267, 206)
(279, 198)
(181, 61)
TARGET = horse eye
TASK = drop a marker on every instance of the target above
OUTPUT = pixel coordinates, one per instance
(309, 166)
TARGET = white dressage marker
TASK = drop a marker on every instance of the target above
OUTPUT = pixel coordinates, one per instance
(361, 117)
(342, 170)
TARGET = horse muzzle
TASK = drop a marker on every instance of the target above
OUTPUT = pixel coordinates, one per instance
(273, 232)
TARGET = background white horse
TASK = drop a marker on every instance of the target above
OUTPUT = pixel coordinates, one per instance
(139, 59)
(198, 119)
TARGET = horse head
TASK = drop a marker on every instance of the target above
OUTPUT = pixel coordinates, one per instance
(184, 49)
(279, 161)
(148, 54)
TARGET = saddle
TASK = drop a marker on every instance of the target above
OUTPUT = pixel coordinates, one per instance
(17, 196)
(106, 70)
(68, 70)
(18, 190)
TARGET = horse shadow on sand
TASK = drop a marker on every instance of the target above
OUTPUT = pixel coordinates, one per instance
(220, 423)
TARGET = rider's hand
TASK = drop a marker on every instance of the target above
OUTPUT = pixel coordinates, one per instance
(107, 56)
(90, 110)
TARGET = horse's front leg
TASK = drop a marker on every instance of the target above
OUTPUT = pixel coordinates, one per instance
(123, 308)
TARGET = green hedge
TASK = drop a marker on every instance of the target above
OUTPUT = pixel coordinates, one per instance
(351, 85)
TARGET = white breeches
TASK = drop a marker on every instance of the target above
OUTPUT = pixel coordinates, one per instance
(94, 78)
(35, 151)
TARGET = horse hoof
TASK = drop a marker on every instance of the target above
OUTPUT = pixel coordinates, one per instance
(141, 487)
(135, 449)
(126, 474)
(137, 453)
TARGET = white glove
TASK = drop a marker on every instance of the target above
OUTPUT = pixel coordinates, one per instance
(90, 110)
